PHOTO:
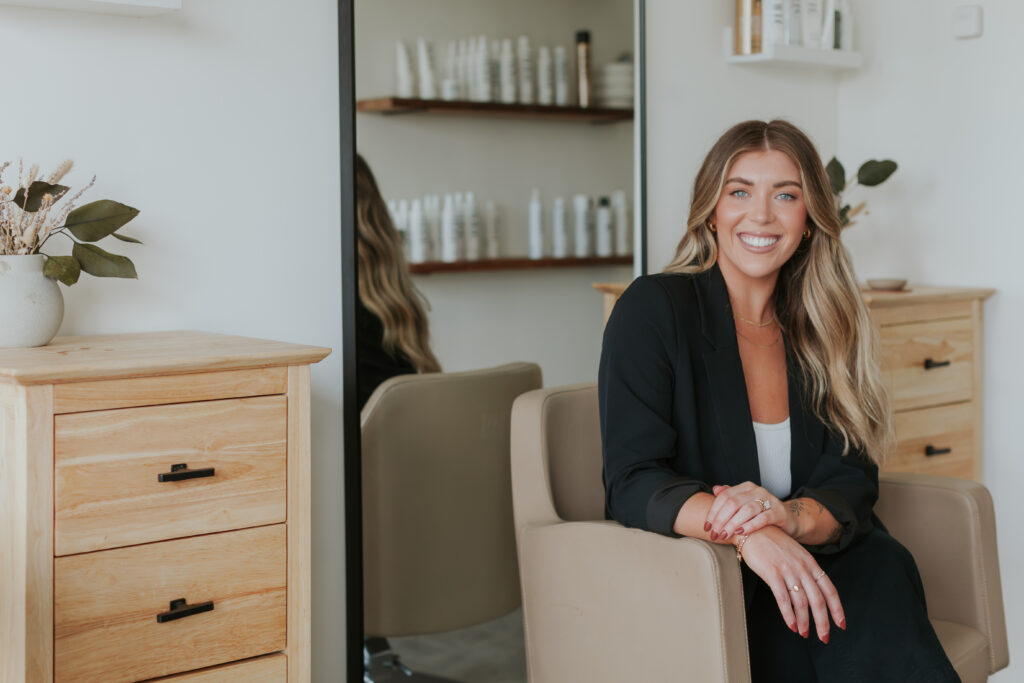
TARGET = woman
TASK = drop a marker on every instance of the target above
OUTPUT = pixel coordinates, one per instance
(741, 403)
(391, 326)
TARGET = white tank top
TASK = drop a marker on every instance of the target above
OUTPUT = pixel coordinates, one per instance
(773, 454)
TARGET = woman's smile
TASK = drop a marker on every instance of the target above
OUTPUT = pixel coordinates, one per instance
(758, 243)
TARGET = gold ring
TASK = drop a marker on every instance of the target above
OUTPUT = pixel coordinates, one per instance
(795, 588)
(765, 505)
(820, 574)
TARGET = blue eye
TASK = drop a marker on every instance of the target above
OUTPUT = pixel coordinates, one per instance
(740, 193)
(787, 196)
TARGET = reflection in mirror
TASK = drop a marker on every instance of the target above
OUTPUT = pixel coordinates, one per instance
(498, 203)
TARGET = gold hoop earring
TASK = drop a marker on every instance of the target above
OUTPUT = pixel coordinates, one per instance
(807, 234)
(711, 227)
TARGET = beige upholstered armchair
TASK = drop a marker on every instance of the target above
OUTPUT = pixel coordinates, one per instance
(606, 603)
(438, 541)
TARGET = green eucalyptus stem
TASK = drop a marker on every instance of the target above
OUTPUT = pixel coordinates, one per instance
(58, 231)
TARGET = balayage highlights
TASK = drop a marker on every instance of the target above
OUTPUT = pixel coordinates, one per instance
(385, 287)
(817, 299)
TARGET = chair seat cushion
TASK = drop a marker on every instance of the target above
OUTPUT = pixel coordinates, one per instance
(967, 649)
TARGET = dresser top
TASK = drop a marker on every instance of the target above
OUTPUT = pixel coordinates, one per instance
(69, 359)
(921, 294)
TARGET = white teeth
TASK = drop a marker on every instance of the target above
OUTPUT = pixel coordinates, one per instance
(759, 241)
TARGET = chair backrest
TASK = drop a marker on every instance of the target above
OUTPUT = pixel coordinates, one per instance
(557, 439)
(438, 538)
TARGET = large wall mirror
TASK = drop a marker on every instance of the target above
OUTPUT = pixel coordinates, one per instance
(473, 128)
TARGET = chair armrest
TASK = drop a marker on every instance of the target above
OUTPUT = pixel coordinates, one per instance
(949, 527)
(607, 603)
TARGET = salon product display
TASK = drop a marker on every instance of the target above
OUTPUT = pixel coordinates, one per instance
(455, 226)
(448, 228)
(511, 71)
(817, 24)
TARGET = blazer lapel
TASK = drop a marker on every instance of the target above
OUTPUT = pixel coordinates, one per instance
(806, 430)
(725, 377)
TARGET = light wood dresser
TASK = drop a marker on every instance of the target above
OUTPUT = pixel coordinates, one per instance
(155, 510)
(931, 362)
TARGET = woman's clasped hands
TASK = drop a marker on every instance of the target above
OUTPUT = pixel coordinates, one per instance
(801, 588)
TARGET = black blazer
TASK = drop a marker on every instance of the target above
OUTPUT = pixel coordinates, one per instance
(675, 418)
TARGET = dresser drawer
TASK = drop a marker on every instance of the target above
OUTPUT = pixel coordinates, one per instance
(269, 669)
(106, 606)
(109, 462)
(937, 440)
(928, 364)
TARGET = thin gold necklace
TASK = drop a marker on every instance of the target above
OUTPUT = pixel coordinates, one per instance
(763, 346)
(755, 324)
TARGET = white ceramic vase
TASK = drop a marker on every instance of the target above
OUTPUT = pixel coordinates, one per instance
(31, 304)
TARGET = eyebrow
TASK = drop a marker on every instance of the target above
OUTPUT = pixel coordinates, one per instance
(744, 181)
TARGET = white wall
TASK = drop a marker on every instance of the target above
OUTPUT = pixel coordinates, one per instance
(693, 96)
(949, 112)
(220, 123)
(551, 317)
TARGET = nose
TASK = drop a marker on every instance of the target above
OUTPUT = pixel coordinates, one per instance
(761, 212)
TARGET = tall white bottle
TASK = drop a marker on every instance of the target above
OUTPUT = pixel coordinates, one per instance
(561, 76)
(449, 231)
(405, 79)
(810, 14)
(605, 241)
(795, 30)
(581, 225)
(417, 233)
(432, 233)
(427, 73)
(536, 218)
(525, 71)
(623, 234)
(508, 73)
(545, 77)
(559, 230)
(471, 220)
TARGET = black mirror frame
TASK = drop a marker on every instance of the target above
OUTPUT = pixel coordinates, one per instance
(349, 294)
(352, 485)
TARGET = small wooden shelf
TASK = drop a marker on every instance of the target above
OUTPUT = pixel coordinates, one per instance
(398, 105)
(517, 264)
(128, 8)
(793, 55)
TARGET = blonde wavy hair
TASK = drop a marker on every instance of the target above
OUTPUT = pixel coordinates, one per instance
(817, 299)
(385, 287)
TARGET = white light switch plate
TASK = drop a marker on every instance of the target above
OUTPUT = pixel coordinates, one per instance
(967, 21)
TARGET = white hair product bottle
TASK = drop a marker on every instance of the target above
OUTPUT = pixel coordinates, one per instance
(581, 225)
(536, 222)
(559, 232)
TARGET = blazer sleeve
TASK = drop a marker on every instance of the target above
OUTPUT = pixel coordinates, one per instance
(635, 391)
(847, 486)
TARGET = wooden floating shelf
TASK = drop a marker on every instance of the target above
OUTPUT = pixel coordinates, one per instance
(517, 264)
(398, 105)
(128, 8)
(796, 55)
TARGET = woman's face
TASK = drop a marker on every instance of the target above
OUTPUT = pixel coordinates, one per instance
(760, 216)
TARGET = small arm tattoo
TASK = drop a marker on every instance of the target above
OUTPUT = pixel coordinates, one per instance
(796, 507)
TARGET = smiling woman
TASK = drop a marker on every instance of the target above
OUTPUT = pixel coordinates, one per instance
(741, 402)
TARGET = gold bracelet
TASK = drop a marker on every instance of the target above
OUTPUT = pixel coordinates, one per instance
(739, 548)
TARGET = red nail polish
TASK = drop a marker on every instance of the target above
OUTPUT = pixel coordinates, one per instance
(792, 627)
(739, 531)
(707, 526)
(825, 639)
(805, 634)
(725, 535)
(842, 624)
(714, 536)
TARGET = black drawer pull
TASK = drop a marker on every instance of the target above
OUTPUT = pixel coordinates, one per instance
(929, 363)
(180, 610)
(181, 471)
(930, 450)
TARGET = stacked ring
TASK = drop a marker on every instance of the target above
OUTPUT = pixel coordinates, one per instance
(765, 505)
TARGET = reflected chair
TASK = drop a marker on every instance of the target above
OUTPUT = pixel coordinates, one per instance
(605, 603)
(438, 540)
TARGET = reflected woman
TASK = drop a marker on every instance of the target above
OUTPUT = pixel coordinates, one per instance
(391, 324)
(741, 402)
